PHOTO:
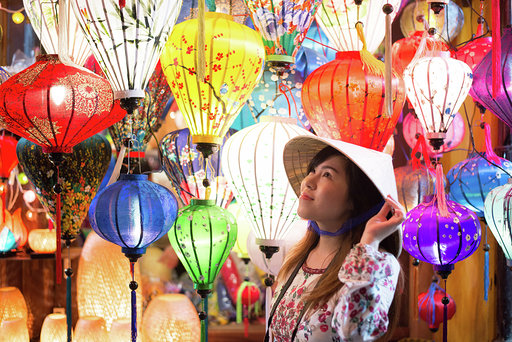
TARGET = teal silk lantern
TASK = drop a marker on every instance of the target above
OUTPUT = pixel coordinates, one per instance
(498, 210)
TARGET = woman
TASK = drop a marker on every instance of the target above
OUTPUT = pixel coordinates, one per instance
(339, 281)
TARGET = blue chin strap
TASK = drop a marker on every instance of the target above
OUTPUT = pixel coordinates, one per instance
(349, 224)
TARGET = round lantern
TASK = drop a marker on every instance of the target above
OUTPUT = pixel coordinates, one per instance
(101, 280)
(497, 210)
(133, 213)
(413, 186)
(441, 240)
(192, 175)
(283, 26)
(232, 70)
(76, 104)
(338, 18)
(345, 101)
(54, 328)
(501, 104)
(12, 304)
(416, 16)
(455, 133)
(404, 49)
(44, 18)
(244, 228)
(8, 159)
(202, 237)
(431, 307)
(7, 240)
(14, 330)
(437, 86)
(135, 129)
(252, 162)
(472, 179)
(171, 317)
(127, 38)
(90, 329)
(42, 241)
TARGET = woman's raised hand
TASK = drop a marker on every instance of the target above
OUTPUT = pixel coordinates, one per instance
(380, 227)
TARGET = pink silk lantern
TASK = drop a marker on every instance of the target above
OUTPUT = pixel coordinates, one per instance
(454, 135)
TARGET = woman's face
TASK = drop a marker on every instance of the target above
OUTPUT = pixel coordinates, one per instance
(324, 194)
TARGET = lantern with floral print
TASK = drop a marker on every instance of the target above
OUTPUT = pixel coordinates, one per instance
(497, 211)
(437, 85)
(404, 49)
(501, 104)
(210, 105)
(338, 18)
(344, 101)
(472, 179)
(191, 175)
(283, 25)
(411, 128)
(127, 38)
(55, 105)
(44, 18)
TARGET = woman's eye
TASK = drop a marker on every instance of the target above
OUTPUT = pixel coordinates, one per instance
(326, 174)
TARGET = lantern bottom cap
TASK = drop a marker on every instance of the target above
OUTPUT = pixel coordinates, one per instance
(133, 253)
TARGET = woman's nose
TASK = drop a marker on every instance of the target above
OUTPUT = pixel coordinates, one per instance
(309, 181)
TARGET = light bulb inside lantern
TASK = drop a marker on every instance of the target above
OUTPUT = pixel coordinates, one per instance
(22, 178)
(29, 196)
(58, 94)
(18, 17)
(30, 215)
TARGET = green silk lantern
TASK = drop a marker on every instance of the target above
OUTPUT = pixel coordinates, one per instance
(203, 236)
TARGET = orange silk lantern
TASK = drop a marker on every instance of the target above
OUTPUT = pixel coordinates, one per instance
(8, 159)
(345, 101)
(19, 229)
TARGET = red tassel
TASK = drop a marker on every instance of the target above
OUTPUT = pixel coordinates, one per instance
(496, 48)
(246, 327)
(421, 145)
(489, 152)
(122, 3)
(58, 254)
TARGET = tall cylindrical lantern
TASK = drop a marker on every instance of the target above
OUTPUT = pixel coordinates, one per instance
(14, 330)
(172, 318)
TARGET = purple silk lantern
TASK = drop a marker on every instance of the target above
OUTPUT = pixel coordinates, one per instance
(481, 91)
(441, 232)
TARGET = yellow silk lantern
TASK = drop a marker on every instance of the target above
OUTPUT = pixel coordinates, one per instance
(234, 57)
(54, 327)
(91, 329)
(12, 304)
(171, 317)
(14, 330)
(42, 240)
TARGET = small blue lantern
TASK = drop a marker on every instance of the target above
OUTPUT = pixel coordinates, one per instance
(133, 213)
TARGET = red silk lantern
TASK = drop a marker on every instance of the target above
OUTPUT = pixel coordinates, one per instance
(404, 49)
(412, 128)
(8, 158)
(250, 295)
(474, 51)
(55, 105)
(431, 308)
(346, 102)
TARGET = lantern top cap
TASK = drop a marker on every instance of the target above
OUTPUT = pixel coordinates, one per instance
(378, 166)
(197, 201)
(133, 177)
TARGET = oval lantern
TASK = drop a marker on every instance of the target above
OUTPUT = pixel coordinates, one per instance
(413, 186)
(455, 133)
(43, 241)
(283, 26)
(127, 38)
(437, 86)
(497, 210)
(473, 52)
(344, 101)
(190, 174)
(203, 236)
(232, 70)
(76, 104)
(501, 104)
(431, 307)
(338, 18)
(449, 23)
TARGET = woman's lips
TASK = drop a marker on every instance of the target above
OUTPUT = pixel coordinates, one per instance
(305, 197)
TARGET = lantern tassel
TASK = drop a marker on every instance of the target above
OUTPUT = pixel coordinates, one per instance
(440, 194)
(496, 48)
(486, 275)
(239, 305)
(211, 5)
(58, 253)
(370, 64)
(133, 287)
(69, 313)
(117, 167)
(201, 58)
(489, 152)
(415, 290)
(388, 9)
(446, 300)
(268, 302)
(204, 322)
(420, 148)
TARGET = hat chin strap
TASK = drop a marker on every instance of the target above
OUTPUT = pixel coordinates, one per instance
(349, 224)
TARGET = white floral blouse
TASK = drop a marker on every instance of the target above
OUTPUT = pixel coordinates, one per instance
(358, 312)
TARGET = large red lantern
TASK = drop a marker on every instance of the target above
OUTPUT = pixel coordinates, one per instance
(343, 100)
(55, 105)
(8, 159)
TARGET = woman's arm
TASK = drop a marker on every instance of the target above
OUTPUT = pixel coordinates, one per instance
(370, 279)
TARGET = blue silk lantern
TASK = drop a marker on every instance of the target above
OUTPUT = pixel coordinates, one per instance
(472, 179)
(133, 213)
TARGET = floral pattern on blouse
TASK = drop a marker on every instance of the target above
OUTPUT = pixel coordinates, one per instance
(358, 312)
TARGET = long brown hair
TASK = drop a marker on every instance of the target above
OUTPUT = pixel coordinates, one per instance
(364, 196)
